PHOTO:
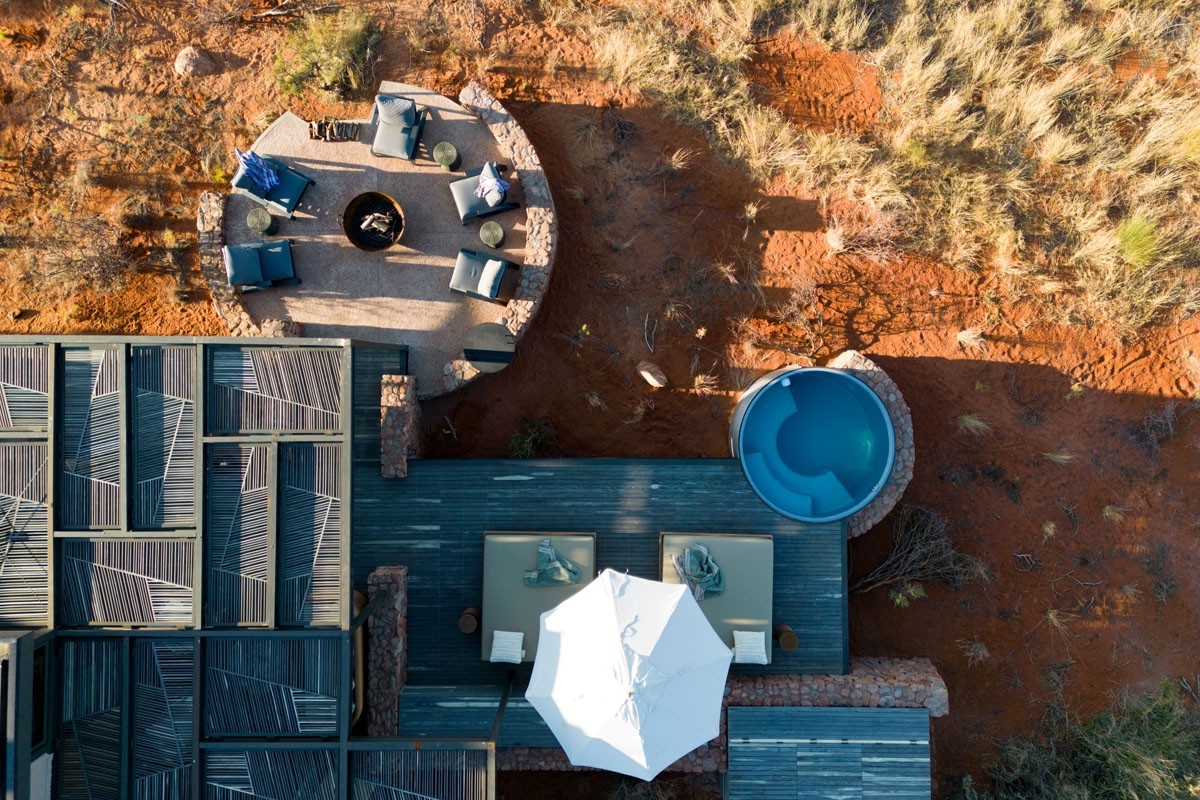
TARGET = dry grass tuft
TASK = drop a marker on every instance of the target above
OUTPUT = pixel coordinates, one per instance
(975, 651)
(1059, 457)
(972, 423)
(1112, 514)
(971, 339)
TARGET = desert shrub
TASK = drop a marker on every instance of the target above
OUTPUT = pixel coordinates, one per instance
(79, 250)
(1142, 747)
(531, 440)
(922, 550)
(337, 54)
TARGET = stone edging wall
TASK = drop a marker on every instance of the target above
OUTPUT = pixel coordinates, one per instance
(400, 424)
(387, 648)
(541, 236)
(210, 224)
(869, 373)
(871, 682)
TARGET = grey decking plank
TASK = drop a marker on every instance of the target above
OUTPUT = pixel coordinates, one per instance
(826, 753)
(433, 522)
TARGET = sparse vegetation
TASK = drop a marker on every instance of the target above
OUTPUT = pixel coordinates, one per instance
(922, 550)
(975, 651)
(971, 339)
(1141, 747)
(1059, 457)
(533, 439)
(335, 53)
(972, 423)
(1005, 143)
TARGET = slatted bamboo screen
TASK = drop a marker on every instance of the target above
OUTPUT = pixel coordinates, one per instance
(237, 536)
(258, 686)
(164, 469)
(126, 582)
(88, 762)
(90, 439)
(271, 775)
(163, 758)
(309, 529)
(411, 774)
(24, 386)
(23, 535)
(267, 389)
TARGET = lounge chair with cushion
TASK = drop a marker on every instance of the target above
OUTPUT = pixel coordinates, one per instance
(747, 564)
(398, 124)
(260, 265)
(479, 275)
(510, 606)
(472, 207)
(283, 197)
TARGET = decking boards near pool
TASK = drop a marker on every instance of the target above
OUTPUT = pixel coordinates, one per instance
(433, 522)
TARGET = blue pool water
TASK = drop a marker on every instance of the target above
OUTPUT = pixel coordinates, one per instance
(816, 444)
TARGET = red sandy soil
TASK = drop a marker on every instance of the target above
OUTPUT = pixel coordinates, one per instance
(638, 264)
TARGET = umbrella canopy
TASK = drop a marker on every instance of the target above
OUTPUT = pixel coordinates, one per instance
(629, 675)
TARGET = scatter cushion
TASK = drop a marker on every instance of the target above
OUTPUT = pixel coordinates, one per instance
(506, 647)
(491, 188)
(396, 110)
(489, 281)
(749, 647)
(263, 175)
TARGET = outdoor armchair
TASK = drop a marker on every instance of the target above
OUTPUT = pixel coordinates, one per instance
(472, 207)
(260, 265)
(284, 197)
(479, 275)
(398, 125)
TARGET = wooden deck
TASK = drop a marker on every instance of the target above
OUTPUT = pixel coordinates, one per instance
(433, 522)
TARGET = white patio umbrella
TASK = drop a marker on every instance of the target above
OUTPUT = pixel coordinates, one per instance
(629, 675)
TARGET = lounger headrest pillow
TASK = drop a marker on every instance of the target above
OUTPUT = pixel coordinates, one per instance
(396, 110)
(506, 647)
(749, 647)
(489, 281)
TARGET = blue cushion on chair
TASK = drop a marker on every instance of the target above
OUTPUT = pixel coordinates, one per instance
(242, 265)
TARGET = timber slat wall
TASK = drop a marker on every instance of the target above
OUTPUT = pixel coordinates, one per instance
(828, 754)
(433, 522)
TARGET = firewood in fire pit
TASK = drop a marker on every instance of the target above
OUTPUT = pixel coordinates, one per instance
(377, 222)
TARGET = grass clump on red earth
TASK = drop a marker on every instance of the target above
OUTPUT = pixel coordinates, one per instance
(1011, 140)
(336, 54)
(1142, 746)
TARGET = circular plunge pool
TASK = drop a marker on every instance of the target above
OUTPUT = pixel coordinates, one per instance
(816, 444)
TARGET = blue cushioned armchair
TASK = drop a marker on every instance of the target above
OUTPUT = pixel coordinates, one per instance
(284, 197)
(260, 265)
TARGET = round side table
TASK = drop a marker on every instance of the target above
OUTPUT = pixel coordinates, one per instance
(489, 347)
(446, 154)
(260, 220)
(491, 234)
(787, 638)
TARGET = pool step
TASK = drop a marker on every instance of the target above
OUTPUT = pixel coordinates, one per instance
(802, 489)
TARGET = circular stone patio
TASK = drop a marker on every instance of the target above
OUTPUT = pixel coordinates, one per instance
(400, 295)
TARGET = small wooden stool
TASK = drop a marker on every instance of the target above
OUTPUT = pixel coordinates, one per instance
(469, 621)
(787, 638)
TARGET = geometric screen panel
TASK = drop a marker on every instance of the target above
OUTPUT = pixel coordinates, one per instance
(24, 387)
(88, 764)
(236, 535)
(274, 389)
(126, 582)
(272, 775)
(271, 687)
(163, 686)
(89, 472)
(309, 535)
(164, 414)
(24, 585)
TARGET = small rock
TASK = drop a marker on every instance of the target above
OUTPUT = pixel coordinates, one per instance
(194, 61)
(652, 374)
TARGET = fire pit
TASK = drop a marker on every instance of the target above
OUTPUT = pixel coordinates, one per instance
(373, 221)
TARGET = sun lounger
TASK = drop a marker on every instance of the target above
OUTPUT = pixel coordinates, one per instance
(510, 605)
(747, 563)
